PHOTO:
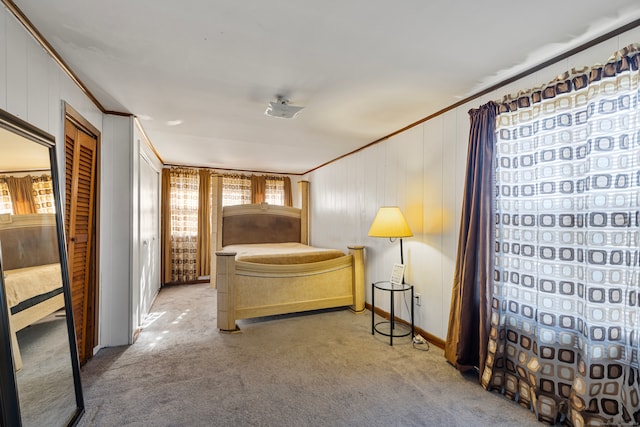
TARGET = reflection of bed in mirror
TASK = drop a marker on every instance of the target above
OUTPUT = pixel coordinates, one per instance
(33, 279)
(44, 347)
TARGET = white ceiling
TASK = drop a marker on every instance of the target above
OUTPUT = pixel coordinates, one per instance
(361, 68)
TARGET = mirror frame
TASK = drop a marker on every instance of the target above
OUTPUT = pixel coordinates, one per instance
(9, 402)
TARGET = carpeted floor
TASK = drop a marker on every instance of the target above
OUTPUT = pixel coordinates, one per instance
(320, 369)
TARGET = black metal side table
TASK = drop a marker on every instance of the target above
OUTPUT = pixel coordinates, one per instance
(392, 332)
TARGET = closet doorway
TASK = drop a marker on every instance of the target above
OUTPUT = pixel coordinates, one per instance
(81, 147)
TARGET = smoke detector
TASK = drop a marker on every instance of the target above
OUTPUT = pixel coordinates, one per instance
(282, 109)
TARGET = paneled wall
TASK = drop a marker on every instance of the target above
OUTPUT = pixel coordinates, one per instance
(33, 87)
(422, 170)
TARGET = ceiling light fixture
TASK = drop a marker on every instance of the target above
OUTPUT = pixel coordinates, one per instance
(282, 109)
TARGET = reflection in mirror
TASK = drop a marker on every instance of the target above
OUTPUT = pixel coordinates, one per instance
(42, 346)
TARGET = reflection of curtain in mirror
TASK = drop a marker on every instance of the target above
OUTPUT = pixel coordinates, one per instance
(43, 194)
(5, 199)
(565, 319)
(184, 188)
(21, 192)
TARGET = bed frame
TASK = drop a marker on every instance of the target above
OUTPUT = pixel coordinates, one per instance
(247, 290)
(32, 240)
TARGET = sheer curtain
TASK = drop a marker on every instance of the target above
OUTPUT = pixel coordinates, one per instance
(6, 206)
(236, 190)
(184, 193)
(43, 194)
(278, 190)
(565, 310)
(244, 189)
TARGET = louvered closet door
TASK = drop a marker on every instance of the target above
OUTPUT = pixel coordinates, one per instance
(80, 157)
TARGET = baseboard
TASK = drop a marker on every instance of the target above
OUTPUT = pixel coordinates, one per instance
(438, 342)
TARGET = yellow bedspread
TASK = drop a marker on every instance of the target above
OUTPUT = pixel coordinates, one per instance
(24, 283)
(282, 253)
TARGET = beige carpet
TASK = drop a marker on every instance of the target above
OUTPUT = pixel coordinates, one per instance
(321, 369)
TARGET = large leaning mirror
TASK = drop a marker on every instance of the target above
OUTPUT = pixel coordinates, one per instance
(40, 383)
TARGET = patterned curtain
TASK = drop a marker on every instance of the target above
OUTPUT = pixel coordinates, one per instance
(5, 198)
(565, 319)
(184, 188)
(276, 191)
(43, 194)
(236, 190)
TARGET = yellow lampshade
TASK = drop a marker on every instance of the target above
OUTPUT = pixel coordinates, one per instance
(389, 222)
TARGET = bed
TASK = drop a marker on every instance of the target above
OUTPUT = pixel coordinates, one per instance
(264, 266)
(31, 266)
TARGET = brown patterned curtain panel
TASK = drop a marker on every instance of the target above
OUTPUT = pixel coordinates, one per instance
(184, 185)
(565, 313)
(26, 195)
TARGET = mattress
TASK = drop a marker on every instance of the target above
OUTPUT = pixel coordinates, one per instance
(22, 284)
(282, 253)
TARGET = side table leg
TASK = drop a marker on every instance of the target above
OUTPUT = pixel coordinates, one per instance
(392, 320)
(373, 308)
(412, 310)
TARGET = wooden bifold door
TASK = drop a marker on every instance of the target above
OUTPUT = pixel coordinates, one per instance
(80, 226)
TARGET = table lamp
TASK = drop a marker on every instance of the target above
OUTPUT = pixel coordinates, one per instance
(389, 222)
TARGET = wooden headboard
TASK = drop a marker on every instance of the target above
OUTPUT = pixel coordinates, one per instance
(28, 240)
(264, 225)
(260, 223)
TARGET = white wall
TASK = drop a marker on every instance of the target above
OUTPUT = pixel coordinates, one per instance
(116, 205)
(422, 170)
(33, 87)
